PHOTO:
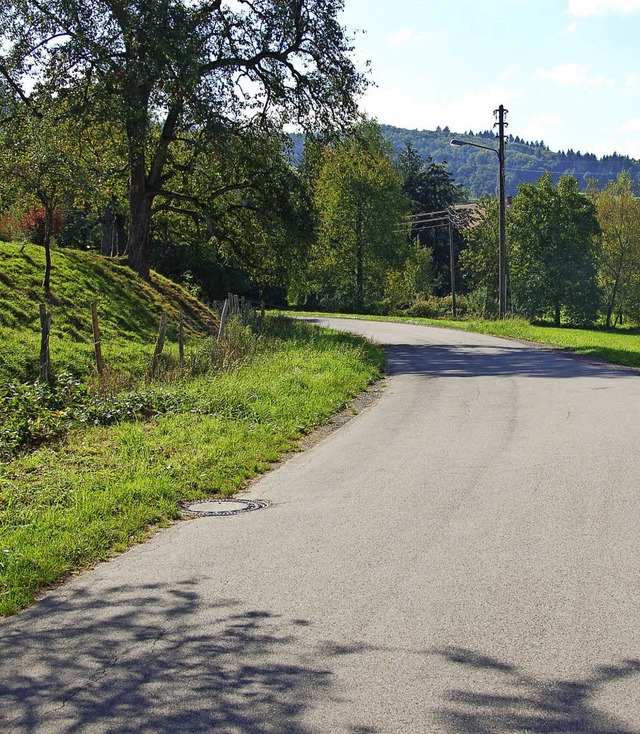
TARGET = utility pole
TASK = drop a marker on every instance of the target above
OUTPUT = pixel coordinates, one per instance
(502, 256)
(452, 267)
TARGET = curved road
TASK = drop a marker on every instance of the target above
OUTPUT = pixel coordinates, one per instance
(463, 557)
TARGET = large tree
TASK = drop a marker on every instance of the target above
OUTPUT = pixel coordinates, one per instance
(430, 187)
(479, 258)
(619, 253)
(165, 67)
(361, 217)
(553, 233)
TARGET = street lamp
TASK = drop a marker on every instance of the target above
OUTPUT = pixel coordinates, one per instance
(502, 259)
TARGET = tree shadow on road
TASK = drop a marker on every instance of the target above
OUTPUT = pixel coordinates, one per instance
(533, 706)
(504, 358)
(154, 659)
(469, 360)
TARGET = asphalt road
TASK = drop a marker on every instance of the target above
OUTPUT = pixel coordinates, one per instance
(462, 557)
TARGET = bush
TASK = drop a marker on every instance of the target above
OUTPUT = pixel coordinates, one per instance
(10, 229)
(35, 412)
(438, 308)
(481, 305)
(33, 224)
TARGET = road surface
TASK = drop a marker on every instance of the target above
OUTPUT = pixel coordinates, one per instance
(463, 557)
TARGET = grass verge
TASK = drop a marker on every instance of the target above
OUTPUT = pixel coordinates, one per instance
(621, 346)
(65, 507)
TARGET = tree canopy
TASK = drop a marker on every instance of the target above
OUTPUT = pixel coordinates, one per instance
(618, 211)
(552, 235)
(163, 68)
(361, 210)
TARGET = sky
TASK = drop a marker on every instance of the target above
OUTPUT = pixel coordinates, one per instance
(568, 71)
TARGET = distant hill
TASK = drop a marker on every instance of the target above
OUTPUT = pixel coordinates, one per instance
(477, 170)
(525, 162)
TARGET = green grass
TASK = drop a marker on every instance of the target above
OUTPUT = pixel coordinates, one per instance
(620, 346)
(64, 507)
(129, 312)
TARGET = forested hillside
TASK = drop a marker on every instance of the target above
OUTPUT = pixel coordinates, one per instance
(525, 161)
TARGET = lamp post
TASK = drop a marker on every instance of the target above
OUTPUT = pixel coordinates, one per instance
(502, 259)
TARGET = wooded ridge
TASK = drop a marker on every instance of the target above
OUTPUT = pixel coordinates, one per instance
(526, 161)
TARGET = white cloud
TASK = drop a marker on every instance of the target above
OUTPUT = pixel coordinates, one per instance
(631, 126)
(570, 75)
(509, 72)
(593, 8)
(539, 126)
(572, 27)
(472, 111)
(404, 36)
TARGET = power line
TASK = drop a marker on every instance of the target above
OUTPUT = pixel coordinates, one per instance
(567, 171)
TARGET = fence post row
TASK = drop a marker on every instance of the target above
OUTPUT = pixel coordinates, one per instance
(232, 307)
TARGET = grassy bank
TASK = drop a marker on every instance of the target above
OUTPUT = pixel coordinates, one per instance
(128, 308)
(65, 507)
(620, 346)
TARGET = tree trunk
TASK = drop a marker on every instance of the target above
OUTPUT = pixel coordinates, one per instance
(107, 245)
(143, 188)
(612, 301)
(609, 314)
(140, 201)
(113, 232)
(556, 318)
(48, 230)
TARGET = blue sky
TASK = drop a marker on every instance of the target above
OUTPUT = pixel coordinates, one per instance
(568, 71)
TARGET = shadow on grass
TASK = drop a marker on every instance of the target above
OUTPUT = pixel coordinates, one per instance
(531, 705)
(157, 659)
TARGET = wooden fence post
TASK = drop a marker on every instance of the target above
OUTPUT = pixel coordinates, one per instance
(45, 329)
(223, 319)
(96, 338)
(181, 339)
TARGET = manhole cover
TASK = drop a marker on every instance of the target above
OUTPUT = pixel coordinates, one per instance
(223, 507)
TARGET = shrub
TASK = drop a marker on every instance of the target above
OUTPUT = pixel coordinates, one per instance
(33, 224)
(481, 305)
(10, 229)
(437, 308)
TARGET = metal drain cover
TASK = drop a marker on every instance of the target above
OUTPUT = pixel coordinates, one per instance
(223, 507)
